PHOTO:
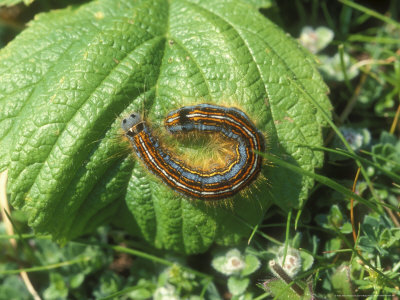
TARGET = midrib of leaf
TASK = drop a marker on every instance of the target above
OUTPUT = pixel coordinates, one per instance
(167, 26)
(260, 73)
(198, 68)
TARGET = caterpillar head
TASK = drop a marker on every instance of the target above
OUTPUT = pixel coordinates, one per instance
(131, 122)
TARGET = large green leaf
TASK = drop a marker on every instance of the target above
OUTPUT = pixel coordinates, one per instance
(67, 80)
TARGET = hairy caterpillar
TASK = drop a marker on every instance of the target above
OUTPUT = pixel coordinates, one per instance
(204, 184)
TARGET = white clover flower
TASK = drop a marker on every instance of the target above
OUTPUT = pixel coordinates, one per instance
(315, 40)
(357, 138)
(232, 262)
(332, 67)
(293, 261)
(188, 275)
(354, 137)
(177, 271)
(166, 292)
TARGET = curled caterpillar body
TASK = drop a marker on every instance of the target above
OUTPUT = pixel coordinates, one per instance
(212, 184)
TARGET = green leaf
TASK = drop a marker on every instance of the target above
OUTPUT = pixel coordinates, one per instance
(69, 78)
(341, 282)
(378, 234)
(261, 4)
(332, 246)
(251, 263)
(57, 288)
(12, 287)
(307, 260)
(387, 152)
(280, 289)
(77, 280)
(237, 286)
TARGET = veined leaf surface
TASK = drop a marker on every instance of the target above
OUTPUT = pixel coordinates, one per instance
(68, 80)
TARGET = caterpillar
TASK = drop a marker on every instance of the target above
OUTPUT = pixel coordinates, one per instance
(209, 184)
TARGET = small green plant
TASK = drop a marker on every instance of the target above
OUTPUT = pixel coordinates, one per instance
(237, 267)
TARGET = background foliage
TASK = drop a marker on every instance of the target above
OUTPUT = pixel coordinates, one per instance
(358, 50)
